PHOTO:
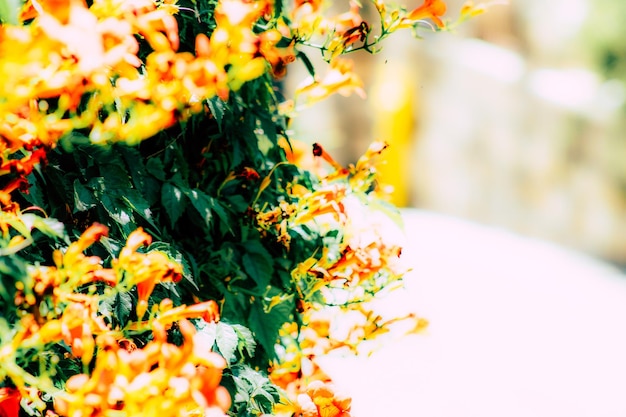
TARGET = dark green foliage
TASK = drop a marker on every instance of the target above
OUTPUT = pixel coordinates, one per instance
(185, 189)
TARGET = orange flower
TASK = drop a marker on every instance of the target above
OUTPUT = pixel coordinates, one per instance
(160, 379)
(327, 200)
(249, 174)
(319, 151)
(431, 9)
(6, 203)
(25, 165)
(9, 402)
(145, 270)
(319, 400)
(339, 79)
(208, 311)
(21, 168)
(328, 402)
(299, 153)
(348, 20)
(278, 58)
(72, 268)
(314, 4)
(93, 234)
(77, 327)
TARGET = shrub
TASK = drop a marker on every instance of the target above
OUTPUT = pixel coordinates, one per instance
(163, 252)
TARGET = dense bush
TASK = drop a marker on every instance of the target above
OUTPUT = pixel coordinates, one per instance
(163, 252)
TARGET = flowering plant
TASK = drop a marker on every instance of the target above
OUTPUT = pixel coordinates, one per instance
(162, 251)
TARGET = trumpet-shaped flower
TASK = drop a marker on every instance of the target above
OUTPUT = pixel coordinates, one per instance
(160, 379)
(9, 402)
(145, 270)
(339, 79)
(431, 9)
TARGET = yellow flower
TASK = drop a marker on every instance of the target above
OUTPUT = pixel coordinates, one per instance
(93, 234)
(328, 401)
(208, 311)
(431, 9)
(339, 79)
(313, 4)
(161, 379)
(469, 9)
(145, 270)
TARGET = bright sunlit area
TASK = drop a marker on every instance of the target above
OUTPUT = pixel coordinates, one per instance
(506, 152)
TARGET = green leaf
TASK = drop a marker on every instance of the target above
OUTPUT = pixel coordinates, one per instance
(264, 400)
(266, 324)
(270, 132)
(216, 105)
(112, 246)
(104, 155)
(59, 187)
(250, 267)
(119, 213)
(134, 164)
(117, 308)
(174, 202)
(278, 8)
(257, 263)
(237, 203)
(83, 197)
(12, 269)
(123, 305)
(174, 157)
(222, 214)
(251, 384)
(236, 305)
(202, 203)
(151, 190)
(49, 227)
(96, 184)
(227, 341)
(116, 178)
(165, 290)
(307, 62)
(207, 333)
(35, 195)
(246, 340)
(135, 201)
(155, 167)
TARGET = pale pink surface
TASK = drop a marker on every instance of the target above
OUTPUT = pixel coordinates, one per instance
(518, 327)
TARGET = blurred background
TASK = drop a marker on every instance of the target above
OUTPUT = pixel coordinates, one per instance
(513, 120)
(507, 135)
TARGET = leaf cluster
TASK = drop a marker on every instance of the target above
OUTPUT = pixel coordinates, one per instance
(186, 188)
(215, 191)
